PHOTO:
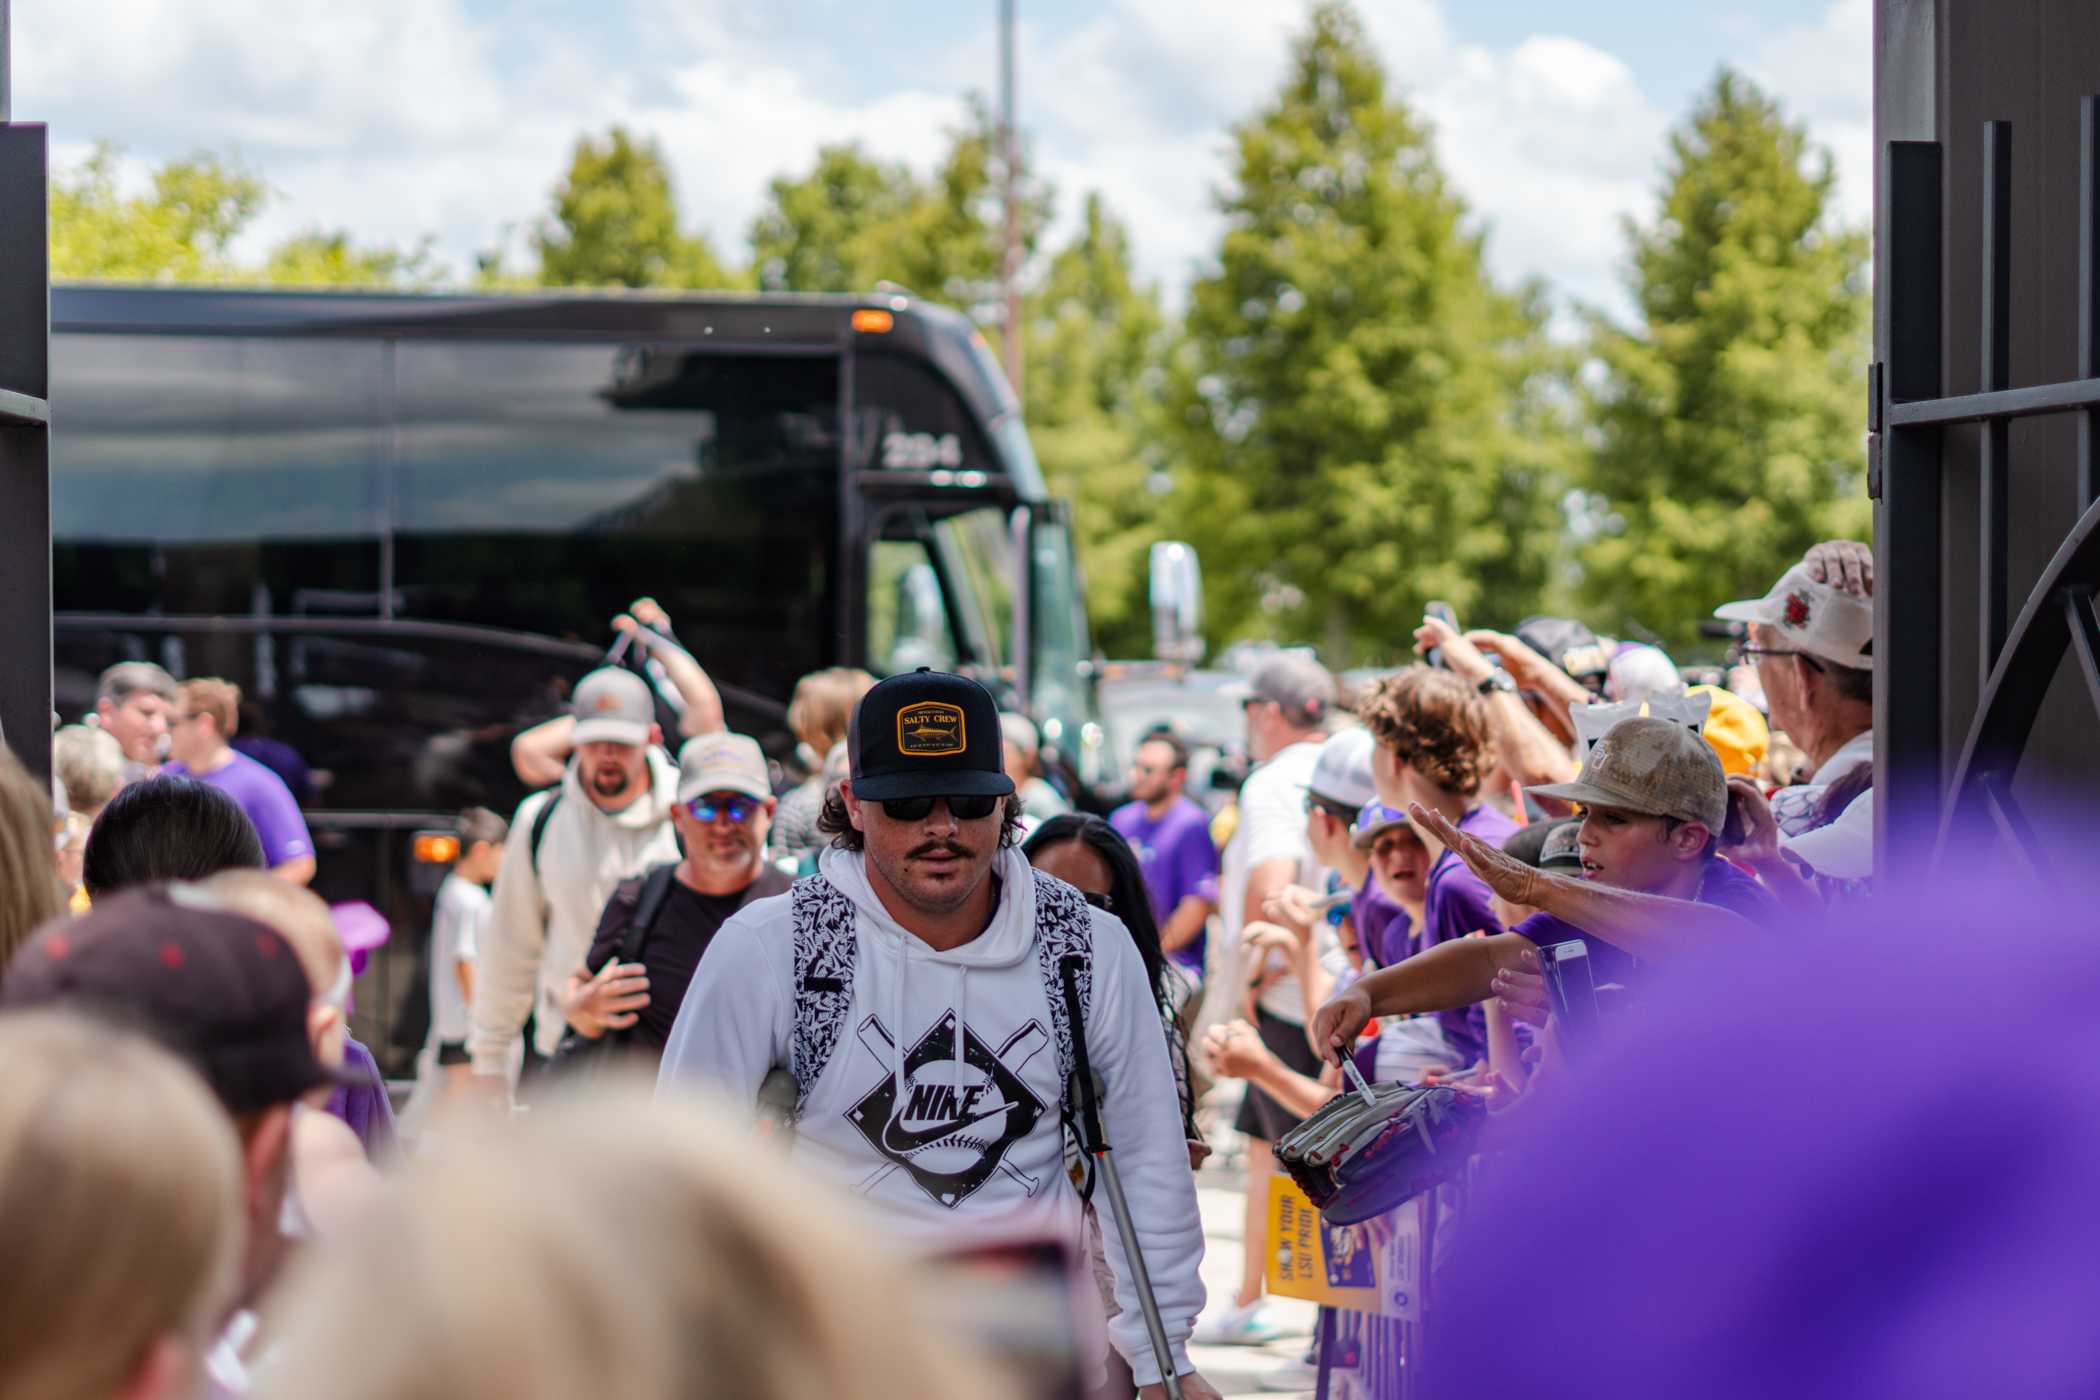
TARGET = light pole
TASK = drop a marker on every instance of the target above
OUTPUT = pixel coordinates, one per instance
(1010, 263)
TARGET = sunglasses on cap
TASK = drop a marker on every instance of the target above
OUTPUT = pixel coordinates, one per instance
(963, 809)
(737, 807)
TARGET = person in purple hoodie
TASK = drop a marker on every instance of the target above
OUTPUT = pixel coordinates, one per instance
(1654, 800)
(1431, 730)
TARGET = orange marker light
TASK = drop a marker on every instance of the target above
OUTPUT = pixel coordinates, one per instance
(872, 321)
(435, 848)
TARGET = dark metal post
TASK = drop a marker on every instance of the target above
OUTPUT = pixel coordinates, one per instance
(2088, 292)
(1907, 737)
(1010, 143)
(1996, 470)
(25, 436)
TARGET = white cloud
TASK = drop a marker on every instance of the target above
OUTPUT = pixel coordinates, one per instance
(396, 118)
(1822, 73)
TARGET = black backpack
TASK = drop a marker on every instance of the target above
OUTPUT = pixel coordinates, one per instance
(579, 1053)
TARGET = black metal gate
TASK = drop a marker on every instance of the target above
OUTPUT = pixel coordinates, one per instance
(2018, 657)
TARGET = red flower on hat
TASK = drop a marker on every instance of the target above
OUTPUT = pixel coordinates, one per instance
(1796, 610)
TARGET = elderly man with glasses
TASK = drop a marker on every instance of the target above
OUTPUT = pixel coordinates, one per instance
(1812, 641)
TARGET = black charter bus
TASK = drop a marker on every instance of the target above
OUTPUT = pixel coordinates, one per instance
(402, 523)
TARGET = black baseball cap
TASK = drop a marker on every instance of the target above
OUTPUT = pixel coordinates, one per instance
(218, 989)
(927, 733)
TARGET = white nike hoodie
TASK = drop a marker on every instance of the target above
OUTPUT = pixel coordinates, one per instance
(951, 1137)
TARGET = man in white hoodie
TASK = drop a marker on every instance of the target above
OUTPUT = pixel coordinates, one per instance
(570, 847)
(912, 989)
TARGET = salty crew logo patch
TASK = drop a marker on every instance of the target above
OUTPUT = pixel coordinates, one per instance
(930, 729)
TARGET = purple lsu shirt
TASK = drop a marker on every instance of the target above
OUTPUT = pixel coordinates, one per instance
(1720, 884)
(1177, 859)
(1382, 927)
(1458, 903)
(266, 800)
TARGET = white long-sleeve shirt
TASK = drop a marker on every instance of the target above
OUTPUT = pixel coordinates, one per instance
(951, 1140)
(540, 922)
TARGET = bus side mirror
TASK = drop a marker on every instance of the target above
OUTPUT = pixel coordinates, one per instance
(1177, 602)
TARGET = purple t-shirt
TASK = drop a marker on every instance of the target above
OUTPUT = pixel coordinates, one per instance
(1382, 927)
(1721, 884)
(1458, 903)
(1177, 858)
(365, 1106)
(266, 800)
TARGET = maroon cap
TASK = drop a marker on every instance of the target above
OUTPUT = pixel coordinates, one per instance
(218, 989)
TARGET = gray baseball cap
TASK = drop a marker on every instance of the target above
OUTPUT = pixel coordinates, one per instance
(613, 706)
(1657, 767)
(1299, 685)
(722, 762)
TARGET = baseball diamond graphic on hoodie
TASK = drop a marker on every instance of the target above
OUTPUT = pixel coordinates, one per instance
(960, 1113)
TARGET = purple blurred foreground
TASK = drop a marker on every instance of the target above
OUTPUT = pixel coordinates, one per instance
(1851, 1162)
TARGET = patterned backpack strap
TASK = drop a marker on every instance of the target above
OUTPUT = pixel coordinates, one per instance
(824, 951)
(1064, 928)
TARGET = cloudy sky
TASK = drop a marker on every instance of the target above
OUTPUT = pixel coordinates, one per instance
(400, 118)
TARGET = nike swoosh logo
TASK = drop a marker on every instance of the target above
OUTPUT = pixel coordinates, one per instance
(903, 1141)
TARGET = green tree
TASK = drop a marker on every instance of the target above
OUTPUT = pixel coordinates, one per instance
(180, 231)
(1729, 422)
(615, 223)
(325, 259)
(1095, 337)
(833, 229)
(853, 221)
(1366, 421)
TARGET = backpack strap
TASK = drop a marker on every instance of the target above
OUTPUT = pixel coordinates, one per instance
(1064, 930)
(826, 946)
(539, 826)
(656, 888)
(825, 949)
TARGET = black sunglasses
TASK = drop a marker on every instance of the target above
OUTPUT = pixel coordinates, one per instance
(914, 809)
(1105, 903)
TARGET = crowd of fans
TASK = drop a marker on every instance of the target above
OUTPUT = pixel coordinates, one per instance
(916, 955)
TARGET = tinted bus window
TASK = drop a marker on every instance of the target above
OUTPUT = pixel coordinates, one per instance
(912, 420)
(216, 474)
(543, 487)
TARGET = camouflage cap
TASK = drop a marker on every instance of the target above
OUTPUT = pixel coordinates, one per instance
(1654, 766)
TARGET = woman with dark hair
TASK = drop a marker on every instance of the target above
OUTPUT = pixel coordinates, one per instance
(1090, 855)
(168, 828)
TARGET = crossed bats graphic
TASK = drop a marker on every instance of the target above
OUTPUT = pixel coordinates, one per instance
(882, 1047)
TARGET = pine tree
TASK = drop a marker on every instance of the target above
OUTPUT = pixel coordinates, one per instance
(1729, 423)
(1365, 417)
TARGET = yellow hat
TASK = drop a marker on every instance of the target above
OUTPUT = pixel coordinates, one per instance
(1736, 730)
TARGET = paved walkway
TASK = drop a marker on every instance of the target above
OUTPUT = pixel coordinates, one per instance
(1239, 1370)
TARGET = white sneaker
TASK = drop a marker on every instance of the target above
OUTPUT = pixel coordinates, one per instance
(1249, 1326)
(1292, 1377)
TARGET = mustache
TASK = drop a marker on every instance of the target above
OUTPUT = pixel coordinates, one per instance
(937, 848)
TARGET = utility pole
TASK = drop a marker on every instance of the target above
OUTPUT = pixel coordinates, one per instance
(1010, 264)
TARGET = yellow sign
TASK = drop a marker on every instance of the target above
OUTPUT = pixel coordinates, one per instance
(1374, 1267)
(1319, 1263)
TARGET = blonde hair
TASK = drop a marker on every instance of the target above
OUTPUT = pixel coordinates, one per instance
(615, 1245)
(29, 890)
(120, 1206)
(822, 706)
(90, 765)
(208, 695)
(294, 911)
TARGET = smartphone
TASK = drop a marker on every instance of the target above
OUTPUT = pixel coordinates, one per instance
(1572, 990)
(1443, 612)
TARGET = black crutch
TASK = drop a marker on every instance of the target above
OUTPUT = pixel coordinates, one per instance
(1094, 1143)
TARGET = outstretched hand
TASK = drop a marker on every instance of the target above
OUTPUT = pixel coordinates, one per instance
(1503, 873)
(606, 1002)
(1760, 843)
(1846, 565)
